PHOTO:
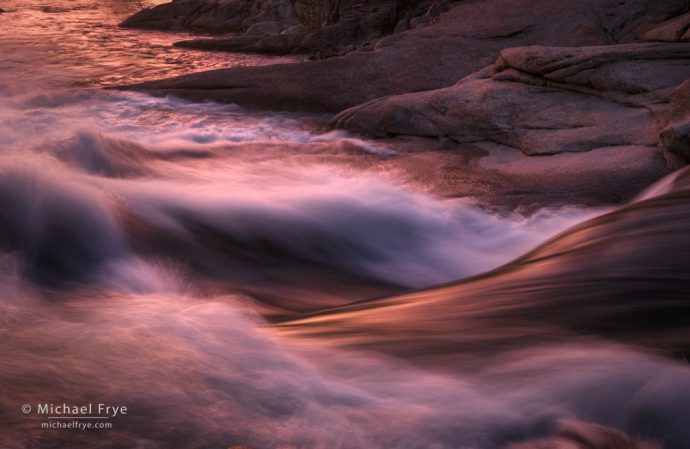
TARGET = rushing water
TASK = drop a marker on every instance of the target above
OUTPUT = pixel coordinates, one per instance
(140, 236)
(259, 201)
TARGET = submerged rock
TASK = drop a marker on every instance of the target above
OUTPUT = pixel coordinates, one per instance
(580, 435)
(623, 275)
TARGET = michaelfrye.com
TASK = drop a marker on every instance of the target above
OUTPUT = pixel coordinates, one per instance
(75, 416)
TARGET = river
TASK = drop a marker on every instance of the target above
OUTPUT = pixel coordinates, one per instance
(148, 242)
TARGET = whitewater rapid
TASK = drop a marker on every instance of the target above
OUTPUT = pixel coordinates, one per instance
(147, 243)
(237, 197)
(102, 187)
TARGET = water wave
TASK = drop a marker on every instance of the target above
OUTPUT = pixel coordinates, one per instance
(204, 374)
(225, 211)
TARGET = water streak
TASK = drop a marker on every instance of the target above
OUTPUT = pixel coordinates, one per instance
(143, 243)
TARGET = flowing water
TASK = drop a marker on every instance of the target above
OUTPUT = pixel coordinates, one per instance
(146, 240)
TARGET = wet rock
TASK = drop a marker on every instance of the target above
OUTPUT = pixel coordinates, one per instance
(244, 43)
(273, 44)
(542, 100)
(349, 25)
(463, 40)
(263, 28)
(213, 16)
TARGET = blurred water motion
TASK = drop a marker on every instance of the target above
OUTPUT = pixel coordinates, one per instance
(146, 245)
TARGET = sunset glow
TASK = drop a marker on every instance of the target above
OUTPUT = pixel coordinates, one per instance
(322, 224)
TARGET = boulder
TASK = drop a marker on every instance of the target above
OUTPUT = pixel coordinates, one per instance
(212, 16)
(353, 24)
(464, 39)
(542, 100)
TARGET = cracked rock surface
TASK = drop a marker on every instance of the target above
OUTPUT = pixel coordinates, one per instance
(465, 39)
(544, 100)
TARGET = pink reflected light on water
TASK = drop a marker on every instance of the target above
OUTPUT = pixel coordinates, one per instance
(79, 44)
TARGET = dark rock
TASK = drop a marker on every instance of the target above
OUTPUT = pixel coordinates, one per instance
(673, 30)
(430, 16)
(212, 16)
(279, 44)
(676, 135)
(244, 43)
(272, 44)
(350, 25)
(264, 28)
(465, 39)
(295, 29)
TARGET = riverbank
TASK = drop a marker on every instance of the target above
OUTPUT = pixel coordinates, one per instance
(597, 94)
